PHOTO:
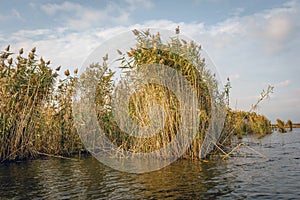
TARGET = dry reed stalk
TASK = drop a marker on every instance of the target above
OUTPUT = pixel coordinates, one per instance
(280, 125)
(27, 91)
(150, 50)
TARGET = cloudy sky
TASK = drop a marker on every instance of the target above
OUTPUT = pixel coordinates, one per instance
(255, 43)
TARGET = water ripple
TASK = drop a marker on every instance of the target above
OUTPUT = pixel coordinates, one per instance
(276, 176)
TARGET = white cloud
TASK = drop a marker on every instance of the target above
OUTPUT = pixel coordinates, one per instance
(2, 17)
(32, 5)
(237, 45)
(13, 14)
(277, 31)
(284, 106)
(278, 28)
(65, 6)
(233, 33)
(270, 29)
(22, 34)
(283, 84)
(76, 16)
(205, 1)
(134, 4)
(230, 26)
(237, 11)
(234, 77)
(16, 14)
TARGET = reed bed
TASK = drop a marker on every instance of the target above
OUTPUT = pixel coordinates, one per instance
(289, 125)
(151, 50)
(36, 116)
(281, 126)
(248, 123)
(33, 111)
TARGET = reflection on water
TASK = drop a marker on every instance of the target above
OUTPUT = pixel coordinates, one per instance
(275, 176)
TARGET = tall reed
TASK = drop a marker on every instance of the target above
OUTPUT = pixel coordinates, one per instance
(151, 50)
(289, 125)
(26, 83)
(34, 114)
(247, 123)
(280, 126)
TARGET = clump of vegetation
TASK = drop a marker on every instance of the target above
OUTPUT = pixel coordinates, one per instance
(280, 126)
(248, 123)
(240, 123)
(151, 50)
(289, 125)
(36, 116)
(33, 112)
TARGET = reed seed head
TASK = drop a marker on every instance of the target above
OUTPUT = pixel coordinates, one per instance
(129, 54)
(7, 48)
(135, 32)
(119, 52)
(82, 76)
(21, 51)
(147, 32)
(105, 58)
(157, 36)
(192, 44)
(177, 30)
(67, 72)
(4, 55)
(9, 61)
(31, 56)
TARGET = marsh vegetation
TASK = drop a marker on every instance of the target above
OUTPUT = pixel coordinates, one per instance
(36, 102)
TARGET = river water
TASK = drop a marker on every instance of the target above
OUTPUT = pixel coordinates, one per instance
(265, 169)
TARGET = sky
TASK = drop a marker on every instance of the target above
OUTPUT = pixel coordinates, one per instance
(254, 43)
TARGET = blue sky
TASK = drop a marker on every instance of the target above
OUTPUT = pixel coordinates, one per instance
(255, 43)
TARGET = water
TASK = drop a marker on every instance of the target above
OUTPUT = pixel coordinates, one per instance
(275, 176)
